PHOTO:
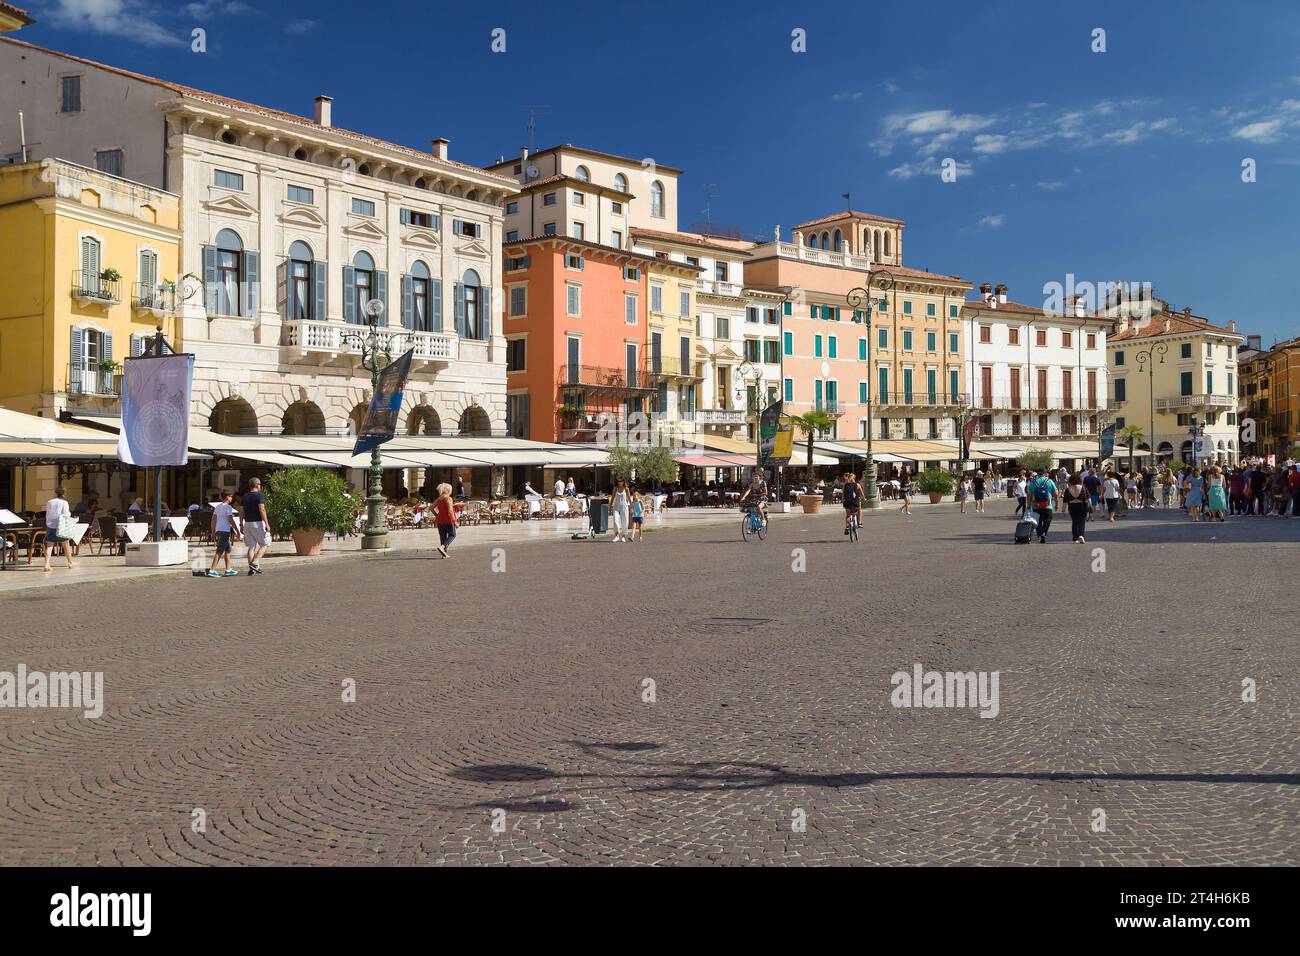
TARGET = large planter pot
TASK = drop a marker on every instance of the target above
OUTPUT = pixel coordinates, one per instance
(307, 541)
(811, 503)
(936, 497)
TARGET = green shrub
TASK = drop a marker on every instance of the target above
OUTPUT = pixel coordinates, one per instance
(301, 498)
(936, 479)
(1032, 459)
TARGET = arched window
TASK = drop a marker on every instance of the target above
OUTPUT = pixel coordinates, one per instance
(298, 279)
(300, 154)
(472, 195)
(839, 241)
(620, 182)
(657, 199)
(826, 240)
(810, 240)
(420, 297)
(363, 278)
(887, 244)
(421, 183)
(472, 305)
(230, 271)
(582, 174)
(875, 237)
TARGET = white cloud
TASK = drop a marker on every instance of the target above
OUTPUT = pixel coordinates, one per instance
(300, 26)
(993, 222)
(929, 166)
(209, 8)
(1265, 131)
(129, 19)
(991, 143)
(1052, 186)
(891, 87)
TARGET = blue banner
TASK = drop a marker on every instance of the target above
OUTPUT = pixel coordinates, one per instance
(381, 417)
(1107, 442)
(156, 410)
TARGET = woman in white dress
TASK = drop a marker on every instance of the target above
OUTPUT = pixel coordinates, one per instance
(619, 501)
(56, 508)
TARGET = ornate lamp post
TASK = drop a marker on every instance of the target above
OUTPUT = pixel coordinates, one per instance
(882, 281)
(749, 371)
(376, 352)
(1146, 363)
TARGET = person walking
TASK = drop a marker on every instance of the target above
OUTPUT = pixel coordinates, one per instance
(1078, 502)
(638, 516)
(1259, 482)
(1111, 493)
(963, 488)
(1293, 483)
(905, 489)
(1042, 493)
(978, 484)
(570, 490)
(444, 518)
(1216, 495)
(1236, 492)
(1130, 489)
(619, 502)
(257, 530)
(1195, 489)
(223, 526)
(1020, 488)
(57, 510)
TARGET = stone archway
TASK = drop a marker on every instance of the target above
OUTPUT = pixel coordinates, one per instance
(233, 416)
(303, 417)
(474, 421)
(423, 420)
(357, 417)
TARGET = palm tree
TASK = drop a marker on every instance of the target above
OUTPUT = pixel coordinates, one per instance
(1132, 436)
(813, 423)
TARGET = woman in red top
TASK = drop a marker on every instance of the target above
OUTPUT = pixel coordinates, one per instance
(444, 516)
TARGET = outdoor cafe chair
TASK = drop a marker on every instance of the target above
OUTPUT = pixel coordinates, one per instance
(107, 533)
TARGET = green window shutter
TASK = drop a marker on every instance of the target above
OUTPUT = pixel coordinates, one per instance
(789, 390)
(817, 346)
(381, 293)
(786, 308)
(349, 294)
(76, 358)
(862, 350)
(952, 385)
(789, 342)
(817, 392)
(832, 346)
(862, 393)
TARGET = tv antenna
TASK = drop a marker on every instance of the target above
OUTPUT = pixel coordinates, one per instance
(708, 207)
(533, 113)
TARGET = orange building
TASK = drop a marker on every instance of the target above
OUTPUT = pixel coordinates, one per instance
(577, 340)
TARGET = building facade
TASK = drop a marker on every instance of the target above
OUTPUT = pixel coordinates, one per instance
(291, 226)
(1031, 373)
(1170, 371)
(1268, 394)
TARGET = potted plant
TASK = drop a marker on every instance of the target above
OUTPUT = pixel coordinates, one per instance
(108, 365)
(305, 503)
(936, 483)
(812, 424)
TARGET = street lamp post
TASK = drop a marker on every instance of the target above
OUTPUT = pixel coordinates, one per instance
(1146, 362)
(883, 281)
(754, 372)
(374, 345)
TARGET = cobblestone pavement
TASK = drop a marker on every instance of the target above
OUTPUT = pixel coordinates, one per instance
(519, 697)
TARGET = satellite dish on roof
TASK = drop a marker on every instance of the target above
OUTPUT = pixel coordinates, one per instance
(532, 172)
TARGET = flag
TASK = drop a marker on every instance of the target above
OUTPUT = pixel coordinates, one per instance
(967, 435)
(381, 417)
(1107, 442)
(156, 410)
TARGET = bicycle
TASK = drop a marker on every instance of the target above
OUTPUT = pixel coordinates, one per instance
(753, 522)
(853, 526)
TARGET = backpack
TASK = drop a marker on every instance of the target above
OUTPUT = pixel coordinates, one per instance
(1042, 495)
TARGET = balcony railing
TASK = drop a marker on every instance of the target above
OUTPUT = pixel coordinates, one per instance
(1022, 402)
(669, 366)
(326, 339)
(605, 377)
(720, 416)
(157, 298)
(92, 287)
(922, 397)
(1031, 430)
(831, 406)
(717, 287)
(790, 250)
(93, 380)
(1196, 401)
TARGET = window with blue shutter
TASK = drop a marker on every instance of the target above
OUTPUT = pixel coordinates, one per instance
(787, 308)
(789, 390)
(381, 293)
(210, 279)
(408, 302)
(437, 305)
(817, 346)
(251, 279)
(319, 275)
(817, 392)
(882, 338)
(788, 338)
(485, 312)
(137, 346)
(862, 350)
(460, 309)
(350, 295)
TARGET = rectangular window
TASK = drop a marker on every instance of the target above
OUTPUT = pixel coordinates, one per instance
(769, 316)
(831, 344)
(722, 327)
(656, 298)
(952, 341)
(411, 217)
(363, 207)
(519, 263)
(1209, 382)
(518, 301)
(1119, 358)
(769, 352)
(515, 355)
(548, 199)
(929, 308)
(616, 208)
(684, 305)
(573, 260)
(1040, 336)
(579, 231)
(579, 199)
(109, 161)
(952, 386)
(631, 273)
(817, 346)
(616, 239)
(1121, 390)
(788, 338)
(512, 207)
(1185, 350)
(907, 340)
(882, 338)
(629, 308)
(751, 350)
(986, 334)
(952, 311)
(300, 194)
(789, 390)
(862, 393)
(862, 350)
(1067, 339)
(720, 271)
(907, 306)
(1185, 383)
(574, 302)
(549, 229)
(1092, 340)
(931, 343)
(1232, 392)
(1013, 335)
(751, 313)
(471, 230)
(882, 384)
(69, 94)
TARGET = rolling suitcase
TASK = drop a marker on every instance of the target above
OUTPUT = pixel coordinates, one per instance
(1026, 528)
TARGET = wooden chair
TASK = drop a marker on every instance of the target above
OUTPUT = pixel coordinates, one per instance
(107, 533)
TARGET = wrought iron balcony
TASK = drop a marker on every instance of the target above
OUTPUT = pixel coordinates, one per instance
(922, 398)
(669, 366)
(92, 288)
(157, 298)
(1035, 403)
(604, 378)
(90, 379)
(322, 341)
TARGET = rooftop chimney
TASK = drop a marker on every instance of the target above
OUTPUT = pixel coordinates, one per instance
(1187, 312)
(439, 147)
(1232, 325)
(323, 110)
(1079, 311)
(1001, 291)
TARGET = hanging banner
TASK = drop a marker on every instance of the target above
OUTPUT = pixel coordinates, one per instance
(156, 410)
(968, 435)
(775, 437)
(381, 417)
(1107, 442)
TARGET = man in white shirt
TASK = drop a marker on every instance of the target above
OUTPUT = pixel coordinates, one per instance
(224, 522)
(559, 487)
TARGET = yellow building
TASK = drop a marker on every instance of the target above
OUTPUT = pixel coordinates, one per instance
(1269, 396)
(668, 355)
(90, 266)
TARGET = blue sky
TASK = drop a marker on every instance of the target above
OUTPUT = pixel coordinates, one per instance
(1120, 165)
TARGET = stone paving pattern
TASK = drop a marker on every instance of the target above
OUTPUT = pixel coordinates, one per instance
(522, 692)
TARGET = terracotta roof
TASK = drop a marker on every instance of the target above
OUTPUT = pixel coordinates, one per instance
(695, 239)
(906, 273)
(611, 250)
(849, 214)
(16, 12)
(979, 305)
(1179, 324)
(582, 183)
(570, 148)
(219, 100)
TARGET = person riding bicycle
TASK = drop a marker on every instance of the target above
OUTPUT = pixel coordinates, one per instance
(758, 489)
(853, 495)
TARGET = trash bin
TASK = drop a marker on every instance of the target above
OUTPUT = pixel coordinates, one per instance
(599, 515)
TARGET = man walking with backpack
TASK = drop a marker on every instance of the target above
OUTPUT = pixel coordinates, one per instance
(1042, 496)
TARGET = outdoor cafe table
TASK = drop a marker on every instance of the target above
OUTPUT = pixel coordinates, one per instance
(134, 531)
(177, 524)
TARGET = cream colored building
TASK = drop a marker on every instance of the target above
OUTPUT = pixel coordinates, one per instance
(1175, 367)
(289, 226)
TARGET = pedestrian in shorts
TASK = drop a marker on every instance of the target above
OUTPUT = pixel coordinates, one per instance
(257, 527)
(224, 524)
